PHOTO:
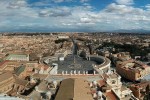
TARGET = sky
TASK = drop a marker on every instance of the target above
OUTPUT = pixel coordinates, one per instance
(74, 15)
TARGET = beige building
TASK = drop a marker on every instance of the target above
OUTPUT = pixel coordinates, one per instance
(121, 56)
(74, 89)
(6, 81)
(140, 90)
(132, 70)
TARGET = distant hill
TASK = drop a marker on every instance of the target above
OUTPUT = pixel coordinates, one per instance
(133, 31)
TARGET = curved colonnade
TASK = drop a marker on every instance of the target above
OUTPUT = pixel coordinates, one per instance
(103, 63)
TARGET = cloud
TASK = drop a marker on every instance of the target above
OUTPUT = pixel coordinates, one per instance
(123, 9)
(83, 1)
(86, 20)
(60, 1)
(17, 4)
(55, 12)
(44, 4)
(126, 16)
(147, 7)
(125, 2)
(21, 15)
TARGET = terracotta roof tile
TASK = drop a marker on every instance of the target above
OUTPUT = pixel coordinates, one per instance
(111, 96)
(102, 83)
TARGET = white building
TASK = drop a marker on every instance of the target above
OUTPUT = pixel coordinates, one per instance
(18, 57)
(112, 83)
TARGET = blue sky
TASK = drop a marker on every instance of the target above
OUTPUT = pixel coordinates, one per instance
(74, 15)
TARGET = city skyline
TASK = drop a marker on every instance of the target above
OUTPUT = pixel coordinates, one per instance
(74, 15)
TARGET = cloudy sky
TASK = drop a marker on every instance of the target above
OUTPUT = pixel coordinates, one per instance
(74, 15)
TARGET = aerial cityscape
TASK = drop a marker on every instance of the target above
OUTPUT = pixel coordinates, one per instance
(74, 50)
(80, 66)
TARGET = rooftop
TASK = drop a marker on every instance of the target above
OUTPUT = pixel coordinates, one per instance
(74, 89)
(19, 70)
(110, 96)
(21, 81)
(35, 95)
(5, 75)
(43, 86)
(133, 65)
(16, 55)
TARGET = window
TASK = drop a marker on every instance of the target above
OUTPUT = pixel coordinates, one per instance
(126, 95)
(113, 81)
